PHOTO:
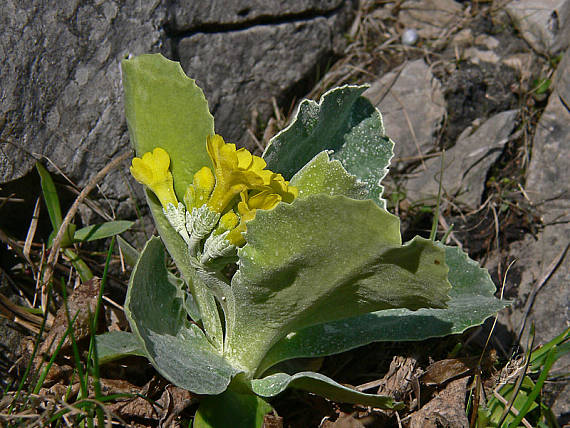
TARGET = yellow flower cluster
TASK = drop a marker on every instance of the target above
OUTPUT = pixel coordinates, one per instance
(236, 173)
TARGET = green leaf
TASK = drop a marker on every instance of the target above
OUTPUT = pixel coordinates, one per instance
(321, 175)
(117, 344)
(77, 262)
(353, 263)
(130, 253)
(165, 108)
(343, 122)
(231, 409)
(321, 385)
(50, 197)
(177, 348)
(471, 302)
(507, 391)
(178, 250)
(562, 345)
(103, 230)
(66, 240)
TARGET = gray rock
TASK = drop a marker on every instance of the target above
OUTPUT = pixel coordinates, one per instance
(548, 186)
(466, 164)
(477, 55)
(190, 14)
(240, 71)
(544, 24)
(61, 93)
(61, 85)
(431, 18)
(412, 107)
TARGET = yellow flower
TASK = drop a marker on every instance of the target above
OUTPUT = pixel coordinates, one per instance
(200, 190)
(281, 187)
(265, 200)
(227, 222)
(236, 171)
(152, 171)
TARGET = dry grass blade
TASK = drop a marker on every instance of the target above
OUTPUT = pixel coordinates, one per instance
(513, 410)
(518, 383)
(31, 233)
(54, 254)
(18, 314)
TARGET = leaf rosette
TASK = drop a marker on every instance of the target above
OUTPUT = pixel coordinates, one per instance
(320, 263)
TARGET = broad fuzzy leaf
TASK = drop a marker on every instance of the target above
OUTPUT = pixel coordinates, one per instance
(165, 108)
(322, 175)
(175, 347)
(325, 258)
(178, 250)
(231, 409)
(346, 124)
(471, 302)
(321, 385)
(117, 344)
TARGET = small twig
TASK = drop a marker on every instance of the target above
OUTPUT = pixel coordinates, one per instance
(542, 281)
(54, 254)
(31, 233)
(513, 410)
(399, 420)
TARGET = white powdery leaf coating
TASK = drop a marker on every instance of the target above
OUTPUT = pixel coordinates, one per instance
(177, 217)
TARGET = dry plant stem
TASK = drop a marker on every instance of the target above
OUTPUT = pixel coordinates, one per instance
(513, 410)
(32, 232)
(67, 220)
(543, 280)
(519, 381)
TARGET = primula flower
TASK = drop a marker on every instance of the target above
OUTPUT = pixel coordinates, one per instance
(236, 171)
(201, 188)
(152, 171)
(247, 207)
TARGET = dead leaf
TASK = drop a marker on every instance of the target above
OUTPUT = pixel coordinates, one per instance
(272, 421)
(398, 381)
(445, 370)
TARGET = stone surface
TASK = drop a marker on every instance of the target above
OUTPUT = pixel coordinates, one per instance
(445, 410)
(548, 186)
(466, 164)
(61, 93)
(477, 55)
(412, 107)
(544, 24)
(430, 18)
(240, 71)
(190, 14)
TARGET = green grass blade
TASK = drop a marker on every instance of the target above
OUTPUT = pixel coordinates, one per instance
(92, 354)
(83, 381)
(550, 359)
(47, 368)
(34, 353)
(130, 253)
(50, 196)
(101, 231)
(560, 342)
(83, 270)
